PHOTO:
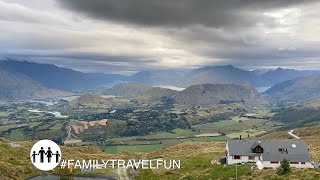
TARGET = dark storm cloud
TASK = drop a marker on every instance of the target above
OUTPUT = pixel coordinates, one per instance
(130, 35)
(213, 13)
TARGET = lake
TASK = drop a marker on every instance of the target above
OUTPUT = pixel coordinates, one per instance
(262, 89)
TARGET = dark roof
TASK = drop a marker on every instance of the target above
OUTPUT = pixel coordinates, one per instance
(255, 144)
(297, 150)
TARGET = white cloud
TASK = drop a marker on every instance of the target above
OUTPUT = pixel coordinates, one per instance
(46, 32)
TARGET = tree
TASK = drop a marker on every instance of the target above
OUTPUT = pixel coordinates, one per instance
(284, 167)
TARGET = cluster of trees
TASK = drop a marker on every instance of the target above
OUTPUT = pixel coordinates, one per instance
(152, 122)
(214, 117)
(291, 115)
(120, 114)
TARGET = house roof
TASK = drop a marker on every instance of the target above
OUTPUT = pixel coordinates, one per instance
(255, 144)
(297, 150)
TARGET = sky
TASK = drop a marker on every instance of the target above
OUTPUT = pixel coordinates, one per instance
(126, 36)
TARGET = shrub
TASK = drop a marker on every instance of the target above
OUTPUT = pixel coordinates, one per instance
(280, 171)
(284, 167)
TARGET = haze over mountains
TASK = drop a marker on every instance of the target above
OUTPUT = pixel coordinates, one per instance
(37, 78)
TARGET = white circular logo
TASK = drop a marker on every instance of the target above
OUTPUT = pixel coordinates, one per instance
(45, 155)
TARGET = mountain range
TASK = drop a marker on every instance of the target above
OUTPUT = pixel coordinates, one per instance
(281, 75)
(296, 90)
(14, 86)
(48, 77)
(221, 74)
(230, 74)
(202, 94)
(55, 77)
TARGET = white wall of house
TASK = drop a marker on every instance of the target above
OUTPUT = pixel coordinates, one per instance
(268, 164)
(272, 165)
(231, 159)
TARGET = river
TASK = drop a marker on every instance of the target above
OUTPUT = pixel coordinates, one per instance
(55, 113)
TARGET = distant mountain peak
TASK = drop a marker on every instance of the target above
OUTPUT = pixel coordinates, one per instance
(52, 76)
(221, 66)
(229, 66)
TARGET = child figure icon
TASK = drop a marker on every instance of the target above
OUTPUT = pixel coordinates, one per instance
(57, 156)
(41, 158)
(34, 156)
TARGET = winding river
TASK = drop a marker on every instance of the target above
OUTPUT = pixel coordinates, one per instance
(55, 113)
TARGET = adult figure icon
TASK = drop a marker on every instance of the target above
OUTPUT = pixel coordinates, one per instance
(49, 154)
(41, 153)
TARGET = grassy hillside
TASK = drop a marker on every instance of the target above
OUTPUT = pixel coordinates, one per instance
(300, 114)
(14, 160)
(205, 94)
(89, 100)
(124, 89)
(195, 159)
(158, 93)
(312, 136)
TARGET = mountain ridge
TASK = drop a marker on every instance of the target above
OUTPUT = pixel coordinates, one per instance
(20, 87)
(52, 76)
(130, 88)
(204, 94)
(299, 89)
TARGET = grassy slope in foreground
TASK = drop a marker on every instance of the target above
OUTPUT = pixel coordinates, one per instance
(195, 160)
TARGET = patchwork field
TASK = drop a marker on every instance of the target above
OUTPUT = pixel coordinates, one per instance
(218, 131)
(34, 130)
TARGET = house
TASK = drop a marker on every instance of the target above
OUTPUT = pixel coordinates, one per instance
(270, 153)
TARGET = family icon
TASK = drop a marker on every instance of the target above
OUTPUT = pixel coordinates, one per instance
(45, 155)
(42, 153)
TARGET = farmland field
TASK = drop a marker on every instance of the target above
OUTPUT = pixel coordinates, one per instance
(246, 133)
(133, 149)
(232, 128)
